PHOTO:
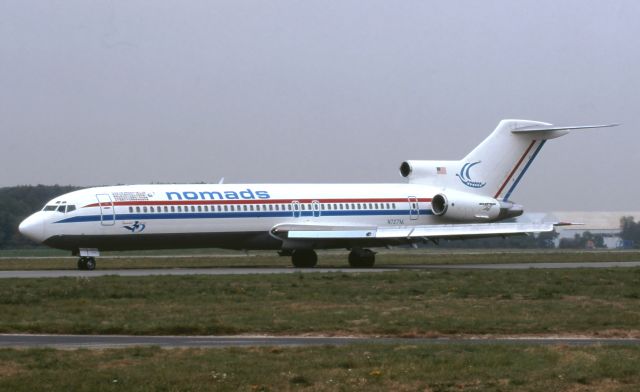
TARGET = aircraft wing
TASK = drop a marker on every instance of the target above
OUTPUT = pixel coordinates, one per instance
(467, 230)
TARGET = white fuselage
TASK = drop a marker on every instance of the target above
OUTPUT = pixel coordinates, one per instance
(221, 215)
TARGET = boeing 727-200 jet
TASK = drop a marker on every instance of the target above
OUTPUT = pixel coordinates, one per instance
(440, 199)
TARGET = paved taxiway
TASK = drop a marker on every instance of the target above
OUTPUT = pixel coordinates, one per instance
(290, 270)
(115, 341)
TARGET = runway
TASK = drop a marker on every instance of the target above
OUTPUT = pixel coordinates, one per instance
(291, 270)
(121, 341)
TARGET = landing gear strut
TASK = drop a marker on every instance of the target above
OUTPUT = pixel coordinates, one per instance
(362, 258)
(87, 263)
(304, 258)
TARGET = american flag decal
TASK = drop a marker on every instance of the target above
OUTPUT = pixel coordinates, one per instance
(441, 170)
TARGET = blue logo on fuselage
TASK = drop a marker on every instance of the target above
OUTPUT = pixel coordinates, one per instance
(466, 179)
(247, 194)
(136, 227)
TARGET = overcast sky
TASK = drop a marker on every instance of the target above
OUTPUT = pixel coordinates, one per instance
(109, 92)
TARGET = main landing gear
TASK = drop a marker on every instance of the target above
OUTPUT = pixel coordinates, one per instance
(307, 258)
(304, 258)
(87, 263)
(362, 258)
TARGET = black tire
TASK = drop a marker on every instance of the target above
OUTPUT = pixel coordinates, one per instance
(363, 258)
(304, 258)
(90, 263)
(82, 263)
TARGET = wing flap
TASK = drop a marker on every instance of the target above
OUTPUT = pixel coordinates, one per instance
(427, 231)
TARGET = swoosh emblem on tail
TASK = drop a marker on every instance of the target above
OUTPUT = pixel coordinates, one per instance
(465, 177)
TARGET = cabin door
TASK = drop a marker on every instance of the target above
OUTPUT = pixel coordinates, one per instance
(414, 209)
(315, 208)
(295, 206)
(107, 211)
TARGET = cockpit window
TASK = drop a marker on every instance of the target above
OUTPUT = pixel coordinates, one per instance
(50, 208)
(71, 208)
(61, 208)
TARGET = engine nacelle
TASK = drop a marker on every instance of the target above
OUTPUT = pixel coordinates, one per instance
(419, 171)
(461, 206)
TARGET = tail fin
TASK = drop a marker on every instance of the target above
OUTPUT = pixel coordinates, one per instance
(496, 166)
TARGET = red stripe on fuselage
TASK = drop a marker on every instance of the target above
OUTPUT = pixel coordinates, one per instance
(253, 201)
(514, 169)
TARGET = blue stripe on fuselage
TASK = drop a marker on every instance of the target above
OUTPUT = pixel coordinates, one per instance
(240, 214)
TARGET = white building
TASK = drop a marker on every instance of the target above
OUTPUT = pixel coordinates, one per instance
(605, 223)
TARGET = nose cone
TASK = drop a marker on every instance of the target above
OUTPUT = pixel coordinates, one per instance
(33, 228)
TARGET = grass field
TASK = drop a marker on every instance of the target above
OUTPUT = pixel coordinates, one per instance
(407, 303)
(10, 260)
(359, 368)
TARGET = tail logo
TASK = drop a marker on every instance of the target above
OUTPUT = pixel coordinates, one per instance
(466, 178)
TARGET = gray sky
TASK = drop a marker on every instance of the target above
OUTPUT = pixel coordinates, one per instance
(107, 92)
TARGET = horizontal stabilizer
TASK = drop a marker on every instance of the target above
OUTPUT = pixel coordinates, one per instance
(539, 128)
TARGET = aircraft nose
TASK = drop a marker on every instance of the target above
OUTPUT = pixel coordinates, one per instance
(33, 228)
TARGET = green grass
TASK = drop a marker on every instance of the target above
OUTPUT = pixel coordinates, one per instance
(217, 258)
(358, 368)
(427, 303)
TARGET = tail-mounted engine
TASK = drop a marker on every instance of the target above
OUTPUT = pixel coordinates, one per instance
(460, 206)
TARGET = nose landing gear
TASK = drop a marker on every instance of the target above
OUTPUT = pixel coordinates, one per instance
(87, 263)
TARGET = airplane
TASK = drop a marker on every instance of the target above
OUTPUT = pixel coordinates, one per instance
(454, 199)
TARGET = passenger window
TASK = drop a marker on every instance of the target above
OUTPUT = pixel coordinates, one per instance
(270, 207)
(244, 207)
(173, 209)
(251, 207)
(179, 208)
(394, 206)
(341, 207)
(226, 208)
(166, 209)
(151, 209)
(130, 209)
(144, 209)
(359, 207)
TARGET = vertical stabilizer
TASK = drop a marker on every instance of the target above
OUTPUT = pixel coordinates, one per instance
(497, 165)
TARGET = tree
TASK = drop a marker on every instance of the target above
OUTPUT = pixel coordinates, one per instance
(630, 230)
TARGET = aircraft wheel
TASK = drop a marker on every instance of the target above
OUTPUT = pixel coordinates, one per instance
(91, 263)
(82, 263)
(304, 258)
(362, 258)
